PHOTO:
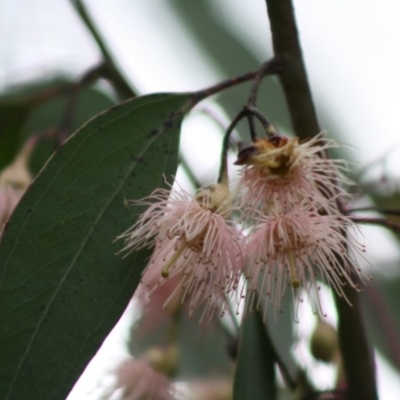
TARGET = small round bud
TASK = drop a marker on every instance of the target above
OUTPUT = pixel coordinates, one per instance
(164, 360)
(324, 342)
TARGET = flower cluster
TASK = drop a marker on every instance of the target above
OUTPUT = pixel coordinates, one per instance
(288, 194)
(195, 243)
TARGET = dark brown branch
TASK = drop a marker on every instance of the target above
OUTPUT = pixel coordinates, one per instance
(225, 145)
(251, 102)
(356, 351)
(394, 212)
(247, 111)
(393, 226)
(269, 68)
(293, 75)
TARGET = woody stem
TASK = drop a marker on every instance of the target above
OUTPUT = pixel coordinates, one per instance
(355, 348)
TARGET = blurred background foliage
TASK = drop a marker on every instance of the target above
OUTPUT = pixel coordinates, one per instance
(50, 47)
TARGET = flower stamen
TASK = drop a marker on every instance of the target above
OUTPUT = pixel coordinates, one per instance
(293, 270)
(167, 266)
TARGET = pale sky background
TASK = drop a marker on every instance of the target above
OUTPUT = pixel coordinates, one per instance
(147, 39)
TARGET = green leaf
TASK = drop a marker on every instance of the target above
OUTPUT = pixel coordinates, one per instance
(381, 306)
(62, 287)
(40, 106)
(202, 348)
(49, 114)
(255, 369)
(12, 117)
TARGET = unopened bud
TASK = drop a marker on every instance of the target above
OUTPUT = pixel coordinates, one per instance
(324, 342)
(215, 198)
(164, 360)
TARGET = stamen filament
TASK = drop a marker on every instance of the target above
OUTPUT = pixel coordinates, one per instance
(293, 270)
(167, 266)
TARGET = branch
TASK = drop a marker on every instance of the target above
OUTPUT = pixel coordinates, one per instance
(293, 75)
(110, 71)
(393, 226)
(356, 351)
(387, 211)
(269, 68)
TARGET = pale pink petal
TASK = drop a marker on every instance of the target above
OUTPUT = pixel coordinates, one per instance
(194, 244)
(298, 248)
(139, 381)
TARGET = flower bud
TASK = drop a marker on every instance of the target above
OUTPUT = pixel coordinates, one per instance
(324, 344)
(215, 198)
(164, 360)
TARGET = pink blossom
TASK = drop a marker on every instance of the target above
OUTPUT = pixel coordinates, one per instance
(140, 381)
(194, 241)
(279, 172)
(298, 247)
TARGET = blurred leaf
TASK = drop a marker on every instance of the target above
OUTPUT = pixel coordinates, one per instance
(381, 303)
(62, 288)
(202, 347)
(280, 329)
(48, 115)
(12, 117)
(255, 369)
(39, 106)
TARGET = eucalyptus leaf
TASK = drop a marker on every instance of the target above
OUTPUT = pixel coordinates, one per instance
(255, 369)
(12, 117)
(382, 315)
(48, 116)
(62, 286)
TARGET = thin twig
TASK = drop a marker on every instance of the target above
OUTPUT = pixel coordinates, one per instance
(267, 125)
(110, 71)
(393, 226)
(269, 67)
(225, 143)
(245, 112)
(274, 67)
(394, 212)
